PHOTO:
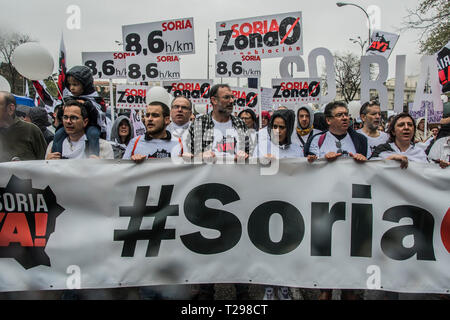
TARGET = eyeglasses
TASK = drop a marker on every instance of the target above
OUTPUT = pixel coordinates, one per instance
(275, 126)
(227, 97)
(339, 146)
(184, 108)
(341, 115)
(72, 118)
(246, 118)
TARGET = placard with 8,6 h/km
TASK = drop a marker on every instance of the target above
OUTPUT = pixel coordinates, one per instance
(271, 36)
(106, 65)
(160, 38)
(234, 65)
(294, 91)
(153, 68)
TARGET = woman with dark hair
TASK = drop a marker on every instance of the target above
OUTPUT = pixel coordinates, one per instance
(401, 146)
(249, 117)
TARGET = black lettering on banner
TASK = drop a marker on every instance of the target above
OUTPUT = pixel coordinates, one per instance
(295, 35)
(277, 92)
(226, 40)
(92, 65)
(155, 45)
(134, 71)
(293, 227)
(225, 222)
(421, 229)
(121, 97)
(322, 225)
(137, 212)
(271, 39)
(132, 43)
(108, 68)
(362, 221)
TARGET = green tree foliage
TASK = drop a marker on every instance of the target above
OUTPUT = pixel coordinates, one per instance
(432, 17)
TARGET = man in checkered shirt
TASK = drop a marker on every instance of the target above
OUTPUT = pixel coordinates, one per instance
(219, 134)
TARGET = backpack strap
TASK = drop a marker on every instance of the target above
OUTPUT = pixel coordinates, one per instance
(135, 144)
(322, 139)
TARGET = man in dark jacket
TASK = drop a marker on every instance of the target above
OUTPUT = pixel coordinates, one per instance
(340, 139)
(39, 117)
(19, 140)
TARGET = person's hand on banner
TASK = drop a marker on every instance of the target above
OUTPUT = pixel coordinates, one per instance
(53, 156)
(241, 156)
(403, 160)
(444, 164)
(209, 157)
(331, 156)
(311, 158)
(138, 158)
(358, 157)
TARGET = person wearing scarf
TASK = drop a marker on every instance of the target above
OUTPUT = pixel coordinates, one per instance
(304, 129)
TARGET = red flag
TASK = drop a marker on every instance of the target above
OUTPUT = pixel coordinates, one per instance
(62, 67)
(45, 96)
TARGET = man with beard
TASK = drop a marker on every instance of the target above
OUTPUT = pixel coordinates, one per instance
(340, 139)
(157, 142)
(370, 114)
(218, 134)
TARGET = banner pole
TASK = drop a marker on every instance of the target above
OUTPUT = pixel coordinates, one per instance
(111, 100)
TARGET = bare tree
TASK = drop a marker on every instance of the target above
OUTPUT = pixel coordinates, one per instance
(432, 17)
(9, 41)
(348, 75)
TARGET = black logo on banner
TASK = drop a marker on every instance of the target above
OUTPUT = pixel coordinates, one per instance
(27, 219)
(137, 212)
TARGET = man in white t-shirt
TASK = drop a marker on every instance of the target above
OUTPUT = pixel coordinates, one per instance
(157, 142)
(370, 114)
(219, 134)
(75, 120)
(340, 139)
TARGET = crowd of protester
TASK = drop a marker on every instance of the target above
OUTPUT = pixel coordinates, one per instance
(78, 128)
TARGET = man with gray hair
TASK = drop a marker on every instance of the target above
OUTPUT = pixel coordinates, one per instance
(180, 114)
(19, 140)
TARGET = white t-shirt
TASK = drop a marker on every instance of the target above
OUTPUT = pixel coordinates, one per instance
(413, 153)
(373, 142)
(74, 149)
(331, 144)
(266, 146)
(154, 148)
(295, 138)
(440, 150)
(225, 139)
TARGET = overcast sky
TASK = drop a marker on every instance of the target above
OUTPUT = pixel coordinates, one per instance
(324, 25)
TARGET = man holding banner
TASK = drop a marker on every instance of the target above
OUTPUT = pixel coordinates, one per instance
(220, 133)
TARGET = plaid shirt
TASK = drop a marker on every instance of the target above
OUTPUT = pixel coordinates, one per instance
(201, 134)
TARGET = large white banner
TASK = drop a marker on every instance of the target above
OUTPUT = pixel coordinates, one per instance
(320, 225)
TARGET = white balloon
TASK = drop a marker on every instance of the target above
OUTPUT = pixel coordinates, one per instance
(158, 94)
(4, 84)
(353, 108)
(33, 61)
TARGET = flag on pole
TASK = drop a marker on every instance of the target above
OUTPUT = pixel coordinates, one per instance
(46, 97)
(62, 68)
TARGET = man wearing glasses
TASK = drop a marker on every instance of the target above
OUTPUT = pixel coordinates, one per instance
(180, 114)
(340, 139)
(75, 119)
(220, 134)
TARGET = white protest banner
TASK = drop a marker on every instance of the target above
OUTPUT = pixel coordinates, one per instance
(382, 43)
(292, 92)
(245, 98)
(126, 225)
(152, 68)
(443, 59)
(196, 90)
(266, 99)
(131, 96)
(160, 38)
(267, 36)
(233, 65)
(106, 65)
(138, 124)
